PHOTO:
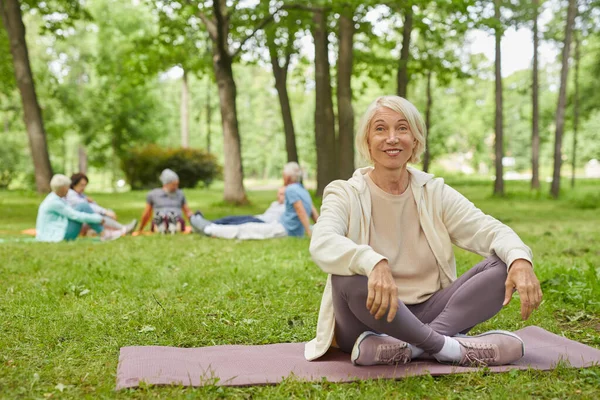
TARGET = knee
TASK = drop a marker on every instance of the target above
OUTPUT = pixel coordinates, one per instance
(495, 274)
(495, 264)
(356, 285)
(84, 207)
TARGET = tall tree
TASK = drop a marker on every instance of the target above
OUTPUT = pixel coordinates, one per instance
(185, 111)
(575, 108)
(177, 42)
(219, 29)
(535, 118)
(344, 92)
(10, 11)
(428, 106)
(280, 73)
(402, 76)
(438, 55)
(562, 99)
(499, 125)
(325, 140)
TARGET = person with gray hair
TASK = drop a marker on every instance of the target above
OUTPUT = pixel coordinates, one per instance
(166, 206)
(385, 238)
(293, 222)
(57, 220)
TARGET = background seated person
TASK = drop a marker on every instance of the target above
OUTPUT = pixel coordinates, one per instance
(293, 222)
(271, 214)
(76, 196)
(166, 206)
(58, 221)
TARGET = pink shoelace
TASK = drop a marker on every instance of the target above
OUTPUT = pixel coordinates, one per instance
(393, 354)
(479, 354)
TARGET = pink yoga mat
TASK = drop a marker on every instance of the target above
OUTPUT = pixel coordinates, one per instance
(270, 364)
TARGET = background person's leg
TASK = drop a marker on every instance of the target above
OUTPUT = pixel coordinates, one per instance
(159, 222)
(73, 229)
(237, 220)
(111, 223)
(474, 297)
(259, 231)
(86, 208)
(353, 318)
(222, 231)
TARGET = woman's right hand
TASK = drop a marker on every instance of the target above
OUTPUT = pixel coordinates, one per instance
(383, 292)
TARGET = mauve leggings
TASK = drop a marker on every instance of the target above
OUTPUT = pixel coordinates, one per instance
(474, 297)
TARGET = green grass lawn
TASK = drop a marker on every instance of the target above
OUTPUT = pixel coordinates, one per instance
(67, 308)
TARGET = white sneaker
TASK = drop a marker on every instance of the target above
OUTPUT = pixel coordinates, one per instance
(127, 229)
(108, 235)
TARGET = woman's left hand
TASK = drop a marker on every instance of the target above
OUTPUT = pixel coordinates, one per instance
(522, 278)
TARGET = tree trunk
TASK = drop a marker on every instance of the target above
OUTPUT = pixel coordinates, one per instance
(185, 111)
(426, 156)
(575, 108)
(344, 95)
(499, 144)
(535, 130)
(234, 191)
(405, 53)
(280, 74)
(562, 99)
(327, 166)
(233, 172)
(10, 10)
(208, 114)
(83, 159)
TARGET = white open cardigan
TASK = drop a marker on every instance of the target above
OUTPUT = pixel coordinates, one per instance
(340, 239)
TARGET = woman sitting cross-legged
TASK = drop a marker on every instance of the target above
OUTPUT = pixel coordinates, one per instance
(294, 221)
(57, 220)
(166, 206)
(385, 238)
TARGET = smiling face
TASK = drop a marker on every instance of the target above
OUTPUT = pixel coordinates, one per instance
(391, 142)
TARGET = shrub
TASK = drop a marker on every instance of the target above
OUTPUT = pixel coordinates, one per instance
(588, 201)
(142, 166)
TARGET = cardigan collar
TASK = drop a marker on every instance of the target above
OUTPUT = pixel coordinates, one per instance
(419, 178)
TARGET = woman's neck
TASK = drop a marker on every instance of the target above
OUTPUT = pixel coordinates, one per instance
(390, 181)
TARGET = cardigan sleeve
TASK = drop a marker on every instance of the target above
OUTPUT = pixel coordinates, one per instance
(472, 230)
(330, 247)
(69, 212)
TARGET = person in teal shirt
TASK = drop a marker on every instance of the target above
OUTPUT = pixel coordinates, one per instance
(58, 221)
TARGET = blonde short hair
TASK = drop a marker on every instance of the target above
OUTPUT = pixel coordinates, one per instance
(293, 170)
(402, 106)
(58, 181)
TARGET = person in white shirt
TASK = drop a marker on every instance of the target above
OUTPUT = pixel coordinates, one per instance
(76, 196)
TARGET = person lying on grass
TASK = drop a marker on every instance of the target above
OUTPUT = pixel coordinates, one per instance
(57, 220)
(76, 196)
(385, 238)
(166, 206)
(271, 215)
(294, 221)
